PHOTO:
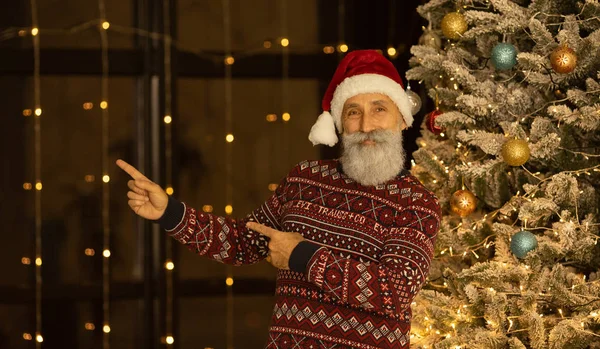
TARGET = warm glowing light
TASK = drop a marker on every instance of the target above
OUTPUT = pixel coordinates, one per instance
(27, 186)
(89, 252)
(39, 338)
(88, 105)
(229, 281)
(285, 42)
(391, 51)
(328, 50)
(38, 111)
(207, 208)
(343, 48)
(104, 104)
(26, 261)
(106, 253)
(27, 336)
(271, 117)
(105, 179)
(169, 340)
(105, 25)
(89, 326)
(229, 60)
(168, 119)
(267, 44)
(38, 186)
(273, 186)
(106, 329)
(38, 261)
(34, 31)
(286, 117)
(229, 138)
(89, 178)
(169, 190)
(26, 112)
(169, 265)
(229, 209)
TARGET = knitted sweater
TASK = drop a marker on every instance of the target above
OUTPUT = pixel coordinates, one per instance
(351, 283)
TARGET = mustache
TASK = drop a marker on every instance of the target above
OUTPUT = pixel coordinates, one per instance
(378, 136)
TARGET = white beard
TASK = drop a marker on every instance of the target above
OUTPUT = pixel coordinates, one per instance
(372, 164)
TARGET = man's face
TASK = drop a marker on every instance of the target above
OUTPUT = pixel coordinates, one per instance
(372, 150)
(368, 112)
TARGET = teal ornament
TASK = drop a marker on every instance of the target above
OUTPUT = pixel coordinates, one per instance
(523, 242)
(504, 56)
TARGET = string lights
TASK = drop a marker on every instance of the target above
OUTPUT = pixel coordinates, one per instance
(168, 119)
(102, 28)
(38, 180)
(229, 159)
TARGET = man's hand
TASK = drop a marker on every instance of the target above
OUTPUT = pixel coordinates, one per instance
(281, 244)
(146, 198)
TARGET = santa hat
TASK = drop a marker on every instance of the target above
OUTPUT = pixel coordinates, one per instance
(363, 71)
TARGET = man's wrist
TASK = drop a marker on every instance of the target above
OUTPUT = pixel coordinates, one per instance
(301, 255)
(173, 214)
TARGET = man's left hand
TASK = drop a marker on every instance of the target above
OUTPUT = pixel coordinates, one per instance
(281, 244)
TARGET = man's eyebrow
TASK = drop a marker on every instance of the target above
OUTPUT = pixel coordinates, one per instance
(351, 105)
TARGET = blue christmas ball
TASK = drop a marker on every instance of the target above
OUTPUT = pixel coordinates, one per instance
(522, 242)
(504, 56)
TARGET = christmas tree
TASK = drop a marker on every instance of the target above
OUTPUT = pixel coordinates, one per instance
(512, 150)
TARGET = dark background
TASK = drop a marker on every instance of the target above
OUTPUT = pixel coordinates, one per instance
(263, 152)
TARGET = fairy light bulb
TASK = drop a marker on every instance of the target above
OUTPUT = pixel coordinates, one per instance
(34, 31)
(105, 25)
(169, 265)
(106, 253)
(229, 281)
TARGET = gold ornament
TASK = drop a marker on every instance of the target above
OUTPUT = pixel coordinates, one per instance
(560, 94)
(563, 60)
(515, 152)
(463, 202)
(454, 25)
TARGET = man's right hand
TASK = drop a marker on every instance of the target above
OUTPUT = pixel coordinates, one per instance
(146, 198)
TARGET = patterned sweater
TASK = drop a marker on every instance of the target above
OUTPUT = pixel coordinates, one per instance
(351, 283)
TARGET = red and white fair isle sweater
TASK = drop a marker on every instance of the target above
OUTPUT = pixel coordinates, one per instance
(352, 282)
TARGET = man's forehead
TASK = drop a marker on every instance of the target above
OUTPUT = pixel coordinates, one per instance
(372, 98)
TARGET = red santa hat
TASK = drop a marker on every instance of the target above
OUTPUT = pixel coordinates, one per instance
(362, 71)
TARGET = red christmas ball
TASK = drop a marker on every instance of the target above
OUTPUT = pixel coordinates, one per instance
(431, 125)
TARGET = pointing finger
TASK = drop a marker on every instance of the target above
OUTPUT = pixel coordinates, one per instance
(261, 229)
(132, 171)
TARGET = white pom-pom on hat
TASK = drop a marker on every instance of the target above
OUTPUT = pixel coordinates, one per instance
(323, 131)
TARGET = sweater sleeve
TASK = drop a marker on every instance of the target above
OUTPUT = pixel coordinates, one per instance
(223, 239)
(389, 285)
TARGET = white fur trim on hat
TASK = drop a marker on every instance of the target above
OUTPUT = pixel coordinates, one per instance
(369, 83)
(323, 131)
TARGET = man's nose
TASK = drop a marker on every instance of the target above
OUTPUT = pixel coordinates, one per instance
(366, 124)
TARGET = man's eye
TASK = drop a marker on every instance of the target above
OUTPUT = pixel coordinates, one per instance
(353, 112)
(380, 109)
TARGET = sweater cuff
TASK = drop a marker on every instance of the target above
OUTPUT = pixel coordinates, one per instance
(301, 255)
(173, 214)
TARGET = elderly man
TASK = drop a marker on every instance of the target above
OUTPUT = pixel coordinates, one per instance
(352, 238)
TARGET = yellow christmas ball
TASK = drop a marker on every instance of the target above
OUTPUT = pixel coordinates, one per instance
(463, 203)
(454, 25)
(563, 60)
(515, 152)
